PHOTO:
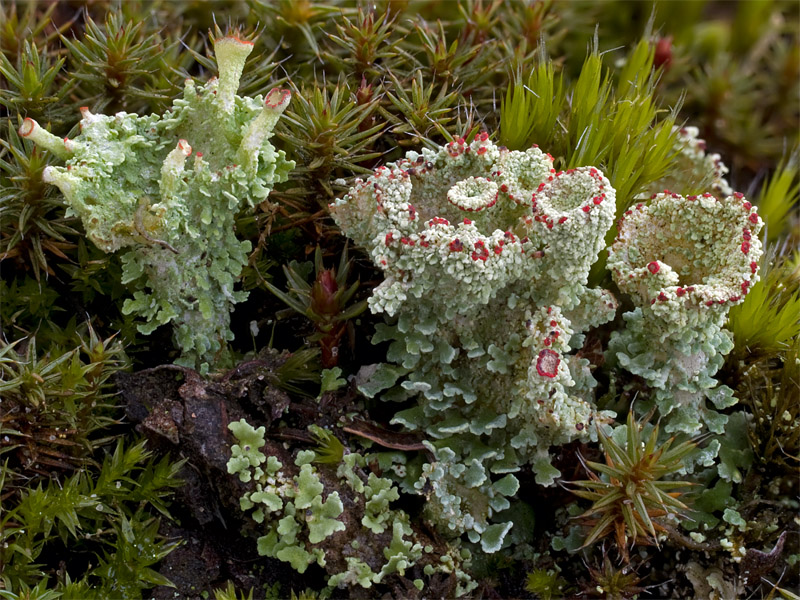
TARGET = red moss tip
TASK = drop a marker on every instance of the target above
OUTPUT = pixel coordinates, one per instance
(237, 39)
(547, 363)
(27, 127)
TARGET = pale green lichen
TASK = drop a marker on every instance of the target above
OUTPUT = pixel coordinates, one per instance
(486, 254)
(300, 515)
(692, 166)
(684, 261)
(127, 177)
(247, 453)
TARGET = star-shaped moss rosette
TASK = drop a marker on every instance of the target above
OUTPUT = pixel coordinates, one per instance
(685, 261)
(486, 253)
(127, 177)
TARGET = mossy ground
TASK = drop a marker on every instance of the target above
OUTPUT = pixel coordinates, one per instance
(113, 480)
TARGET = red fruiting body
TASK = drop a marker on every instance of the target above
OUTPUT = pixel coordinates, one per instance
(745, 247)
(586, 208)
(277, 97)
(653, 267)
(547, 363)
(753, 267)
(27, 127)
(480, 252)
(680, 292)
(389, 238)
(753, 217)
(456, 245)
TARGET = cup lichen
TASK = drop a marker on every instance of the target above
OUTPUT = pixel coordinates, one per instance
(685, 261)
(486, 253)
(130, 180)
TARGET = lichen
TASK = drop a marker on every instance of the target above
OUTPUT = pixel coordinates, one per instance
(684, 261)
(693, 166)
(300, 516)
(486, 254)
(128, 179)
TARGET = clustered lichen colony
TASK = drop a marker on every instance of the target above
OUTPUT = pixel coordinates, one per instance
(486, 254)
(133, 184)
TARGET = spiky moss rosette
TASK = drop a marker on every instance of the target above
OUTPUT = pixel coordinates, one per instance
(685, 261)
(126, 177)
(486, 253)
